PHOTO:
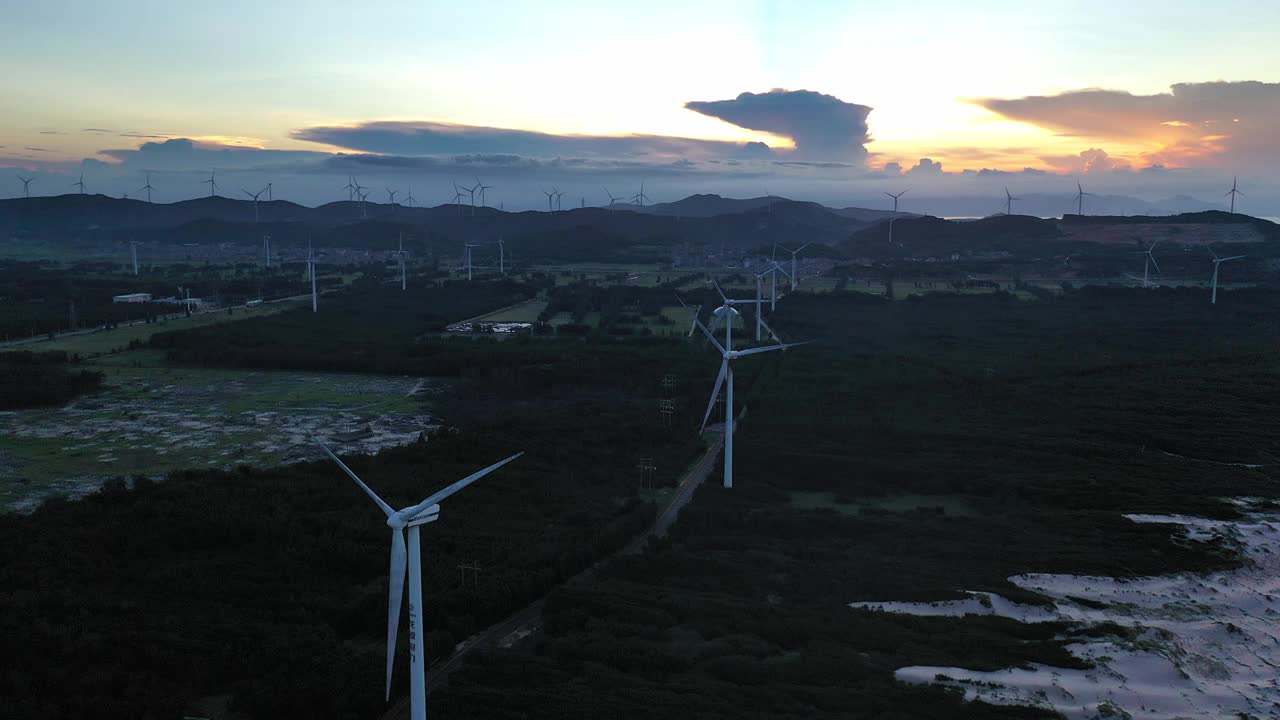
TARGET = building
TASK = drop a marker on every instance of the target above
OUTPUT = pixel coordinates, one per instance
(132, 298)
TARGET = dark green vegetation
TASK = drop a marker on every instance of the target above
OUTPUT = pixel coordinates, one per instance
(270, 585)
(39, 298)
(1044, 421)
(30, 380)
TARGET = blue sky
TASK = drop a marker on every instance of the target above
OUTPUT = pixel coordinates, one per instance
(260, 75)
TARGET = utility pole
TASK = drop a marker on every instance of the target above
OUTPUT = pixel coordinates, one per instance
(647, 469)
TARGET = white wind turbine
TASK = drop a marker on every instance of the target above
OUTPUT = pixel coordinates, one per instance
(1217, 262)
(79, 183)
(1147, 261)
(551, 203)
(468, 250)
(212, 182)
(895, 198)
(350, 187)
(795, 277)
(409, 199)
(1080, 196)
(726, 313)
(407, 557)
(482, 187)
(133, 251)
(502, 256)
(26, 186)
(311, 270)
(612, 200)
(391, 195)
(400, 254)
(1008, 202)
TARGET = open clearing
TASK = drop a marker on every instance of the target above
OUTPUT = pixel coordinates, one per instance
(151, 419)
(1194, 646)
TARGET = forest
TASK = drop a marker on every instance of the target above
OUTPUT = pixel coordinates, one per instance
(269, 585)
(913, 450)
(29, 379)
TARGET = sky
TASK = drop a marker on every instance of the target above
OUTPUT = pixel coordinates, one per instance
(836, 101)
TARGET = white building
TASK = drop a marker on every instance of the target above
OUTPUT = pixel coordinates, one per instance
(132, 298)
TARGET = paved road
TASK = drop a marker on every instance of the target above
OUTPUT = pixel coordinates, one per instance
(525, 621)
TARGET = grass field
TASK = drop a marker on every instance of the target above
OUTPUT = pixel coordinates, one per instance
(108, 341)
(152, 418)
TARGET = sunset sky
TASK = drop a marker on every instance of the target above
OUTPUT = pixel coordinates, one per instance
(1075, 88)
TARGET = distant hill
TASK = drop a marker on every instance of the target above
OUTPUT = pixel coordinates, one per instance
(377, 225)
(936, 237)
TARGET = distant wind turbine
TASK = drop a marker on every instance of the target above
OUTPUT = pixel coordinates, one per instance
(26, 186)
(255, 197)
(482, 187)
(350, 187)
(268, 188)
(1008, 202)
(551, 203)
(795, 277)
(895, 198)
(1147, 261)
(559, 200)
(409, 199)
(1080, 196)
(1233, 192)
(612, 200)
(212, 183)
(640, 197)
(1217, 262)
(391, 195)
(79, 183)
(406, 557)
(147, 187)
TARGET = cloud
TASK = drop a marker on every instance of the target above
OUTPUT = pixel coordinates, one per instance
(424, 138)
(184, 154)
(95, 131)
(144, 137)
(1088, 162)
(822, 127)
(1213, 123)
(926, 166)
(892, 168)
(37, 149)
(52, 132)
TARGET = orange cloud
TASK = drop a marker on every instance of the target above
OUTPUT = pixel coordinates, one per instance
(1217, 123)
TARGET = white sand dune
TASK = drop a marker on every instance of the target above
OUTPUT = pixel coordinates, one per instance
(1203, 645)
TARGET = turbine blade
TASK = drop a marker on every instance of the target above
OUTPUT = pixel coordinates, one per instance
(768, 348)
(717, 286)
(442, 494)
(709, 334)
(399, 566)
(368, 491)
(1153, 261)
(715, 392)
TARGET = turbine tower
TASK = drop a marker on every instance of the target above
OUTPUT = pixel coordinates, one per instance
(400, 254)
(391, 195)
(147, 187)
(559, 198)
(727, 313)
(1008, 202)
(502, 256)
(1233, 192)
(1147, 262)
(26, 186)
(311, 270)
(350, 187)
(482, 187)
(266, 249)
(410, 519)
(1080, 196)
(212, 183)
(640, 197)
(468, 247)
(551, 203)
(268, 189)
(133, 250)
(408, 199)
(1217, 262)
(79, 183)
(895, 198)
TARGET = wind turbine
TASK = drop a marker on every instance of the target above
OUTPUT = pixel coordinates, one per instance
(311, 270)
(1080, 196)
(1233, 192)
(551, 207)
(1008, 202)
(457, 197)
(795, 277)
(559, 197)
(255, 197)
(79, 183)
(726, 313)
(268, 189)
(471, 192)
(408, 199)
(612, 199)
(266, 249)
(1147, 262)
(696, 310)
(350, 187)
(212, 183)
(1217, 262)
(410, 518)
(391, 195)
(468, 247)
(895, 198)
(482, 187)
(133, 250)
(768, 197)
(640, 197)
(400, 254)
(26, 186)
(147, 187)
(502, 256)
